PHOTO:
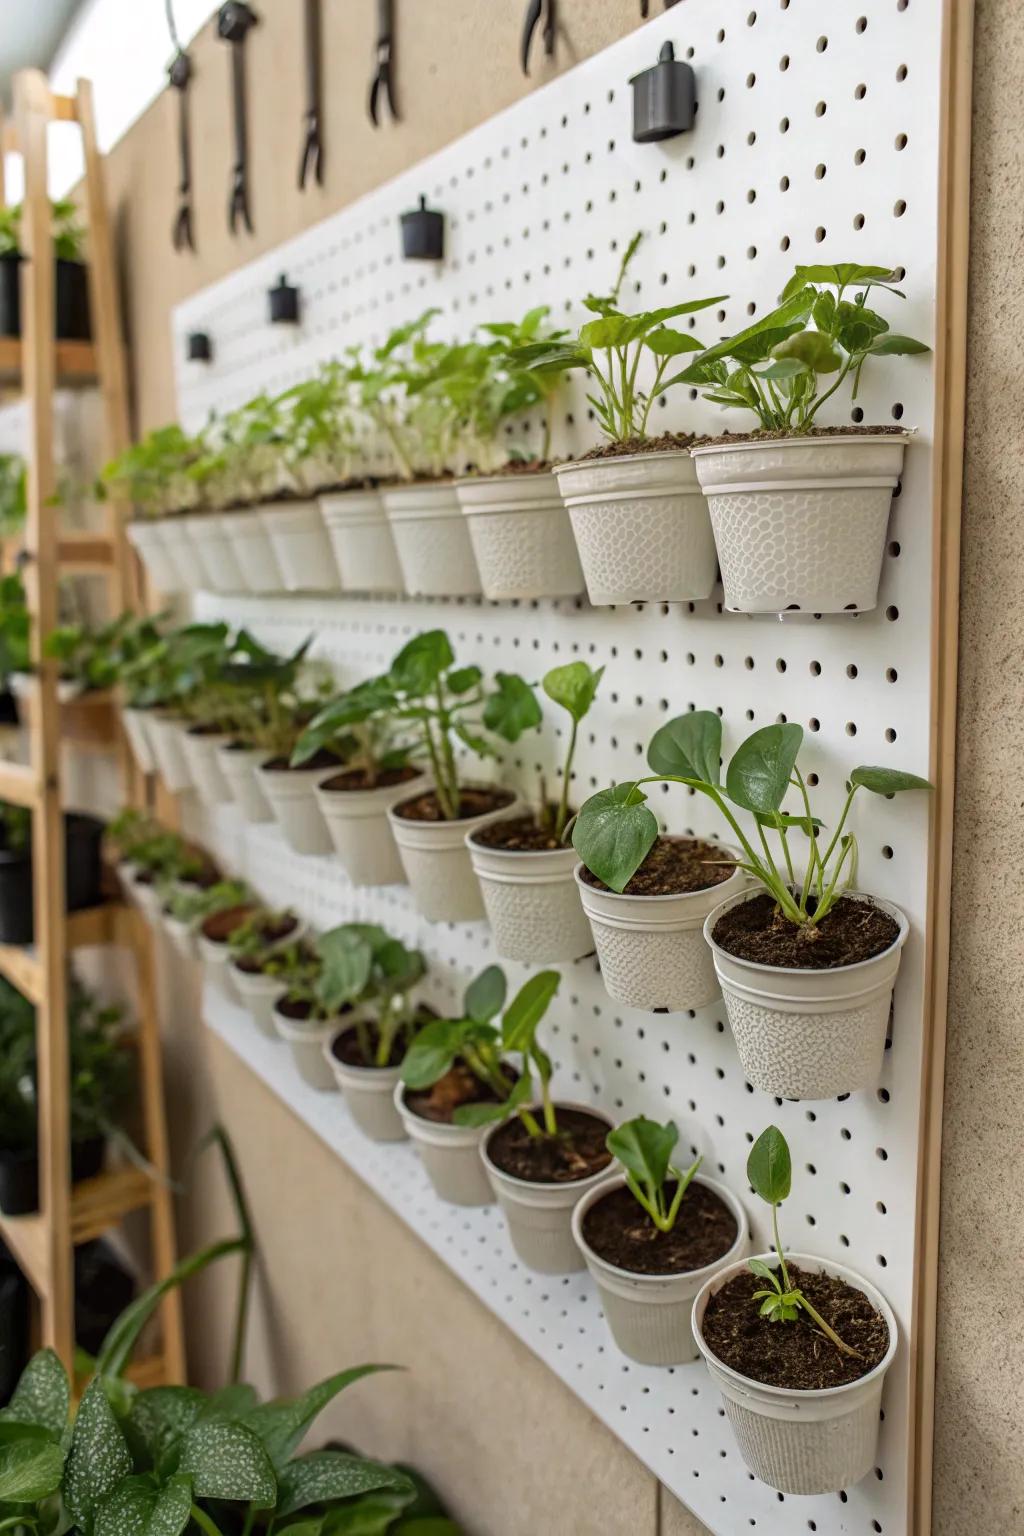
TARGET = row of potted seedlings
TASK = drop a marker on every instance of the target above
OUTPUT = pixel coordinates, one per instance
(794, 513)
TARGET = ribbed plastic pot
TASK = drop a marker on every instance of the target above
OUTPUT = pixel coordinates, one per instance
(166, 733)
(641, 526)
(183, 935)
(211, 536)
(809, 1034)
(136, 728)
(649, 1315)
(258, 994)
(360, 535)
(148, 897)
(532, 903)
(802, 1441)
(147, 539)
(301, 546)
(307, 1047)
(652, 949)
(194, 549)
(290, 793)
(369, 1093)
(438, 866)
(800, 523)
(357, 821)
(238, 766)
(540, 1216)
(202, 756)
(214, 953)
(176, 532)
(522, 536)
(450, 1154)
(431, 536)
(259, 565)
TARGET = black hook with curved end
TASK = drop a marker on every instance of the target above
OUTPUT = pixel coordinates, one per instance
(235, 20)
(180, 77)
(313, 149)
(537, 9)
(383, 73)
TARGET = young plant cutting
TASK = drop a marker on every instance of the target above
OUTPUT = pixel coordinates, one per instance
(820, 1329)
(808, 939)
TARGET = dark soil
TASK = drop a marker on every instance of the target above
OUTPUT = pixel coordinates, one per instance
(620, 1231)
(353, 483)
(674, 866)
(449, 1093)
(219, 926)
(322, 759)
(345, 1047)
(272, 931)
(852, 931)
(474, 802)
(577, 1152)
(760, 436)
(519, 834)
(668, 442)
(302, 1010)
(795, 1355)
(513, 467)
(206, 877)
(211, 729)
(358, 778)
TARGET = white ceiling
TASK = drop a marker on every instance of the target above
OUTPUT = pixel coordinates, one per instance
(30, 32)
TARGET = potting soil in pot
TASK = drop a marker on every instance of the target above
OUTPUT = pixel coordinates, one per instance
(851, 932)
(577, 1152)
(620, 1231)
(472, 802)
(673, 867)
(519, 834)
(458, 1086)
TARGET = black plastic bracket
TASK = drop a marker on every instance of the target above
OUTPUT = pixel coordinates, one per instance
(664, 99)
(284, 303)
(423, 234)
(199, 347)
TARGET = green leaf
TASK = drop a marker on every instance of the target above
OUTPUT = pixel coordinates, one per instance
(231, 1402)
(281, 1425)
(668, 343)
(347, 958)
(432, 1525)
(30, 1470)
(769, 1168)
(138, 1508)
(614, 833)
(644, 1148)
(527, 1008)
(463, 679)
(796, 306)
(893, 345)
(491, 1114)
(887, 781)
(764, 1272)
(513, 709)
(99, 1457)
(373, 1515)
(42, 1395)
(419, 666)
(762, 767)
(226, 1460)
(433, 1052)
(325, 1475)
(689, 747)
(812, 349)
(485, 995)
(574, 687)
(159, 1417)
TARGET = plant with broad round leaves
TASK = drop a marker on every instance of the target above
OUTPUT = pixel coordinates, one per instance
(643, 1150)
(616, 828)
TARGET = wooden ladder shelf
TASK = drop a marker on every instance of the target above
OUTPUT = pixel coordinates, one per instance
(44, 1244)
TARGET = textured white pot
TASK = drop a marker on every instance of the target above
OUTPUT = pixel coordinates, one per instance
(522, 536)
(301, 546)
(431, 536)
(798, 1441)
(290, 793)
(149, 898)
(211, 536)
(532, 903)
(238, 766)
(800, 523)
(201, 755)
(369, 1093)
(809, 1034)
(182, 935)
(306, 1041)
(153, 549)
(649, 1315)
(193, 550)
(450, 1154)
(258, 994)
(438, 866)
(259, 565)
(360, 535)
(215, 954)
(166, 735)
(136, 727)
(652, 949)
(539, 1216)
(641, 527)
(357, 821)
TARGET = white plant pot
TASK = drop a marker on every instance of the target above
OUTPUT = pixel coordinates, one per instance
(532, 903)
(431, 536)
(522, 536)
(214, 953)
(641, 527)
(151, 544)
(438, 866)
(238, 766)
(201, 754)
(450, 1154)
(802, 1441)
(307, 1047)
(649, 1315)
(369, 1093)
(800, 523)
(291, 794)
(357, 821)
(360, 535)
(259, 565)
(652, 949)
(540, 1216)
(211, 538)
(183, 935)
(809, 1034)
(149, 899)
(136, 728)
(194, 552)
(258, 993)
(302, 547)
(166, 734)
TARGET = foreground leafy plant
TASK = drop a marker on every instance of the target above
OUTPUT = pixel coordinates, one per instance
(616, 829)
(644, 1150)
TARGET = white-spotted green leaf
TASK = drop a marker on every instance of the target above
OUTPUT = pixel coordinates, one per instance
(138, 1508)
(30, 1470)
(42, 1395)
(281, 1425)
(324, 1475)
(99, 1456)
(159, 1418)
(226, 1460)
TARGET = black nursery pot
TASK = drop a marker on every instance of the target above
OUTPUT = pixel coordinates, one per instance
(19, 1174)
(83, 874)
(10, 295)
(8, 707)
(71, 299)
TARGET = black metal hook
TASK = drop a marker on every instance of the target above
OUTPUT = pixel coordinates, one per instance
(537, 9)
(313, 149)
(383, 78)
(180, 76)
(235, 20)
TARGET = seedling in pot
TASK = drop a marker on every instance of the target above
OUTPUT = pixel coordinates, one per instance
(769, 1169)
(512, 337)
(518, 1037)
(359, 728)
(364, 965)
(644, 1150)
(262, 928)
(472, 1042)
(388, 385)
(195, 904)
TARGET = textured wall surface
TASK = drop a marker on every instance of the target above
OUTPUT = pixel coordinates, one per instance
(339, 1278)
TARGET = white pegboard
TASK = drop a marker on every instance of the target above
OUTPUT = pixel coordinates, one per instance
(817, 138)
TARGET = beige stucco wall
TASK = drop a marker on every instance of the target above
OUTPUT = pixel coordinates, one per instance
(340, 1279)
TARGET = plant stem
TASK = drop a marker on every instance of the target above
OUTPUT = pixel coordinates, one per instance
(250, 1518)
(830, 1333)
(778, 1246)
(550, 1120)
(533, 1130)
(563, 804)
(204, 1522)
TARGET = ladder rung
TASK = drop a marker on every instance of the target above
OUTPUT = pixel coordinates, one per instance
(100, 1203)
(23, 971)
(25, 1236)
(19, 785)
(86, 551)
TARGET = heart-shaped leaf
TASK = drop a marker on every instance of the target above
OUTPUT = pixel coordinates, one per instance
(226, 1460)
(42, 1395)
(761, 768)
(887, 781)
(513, 708)
(158, 1418)
(485, 995)
(769, 1168)
(99, 1457)
(689, 747)
(644, 1148)
(573, 686)
(30, 1470)
(614, 833)
(137, 1507)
